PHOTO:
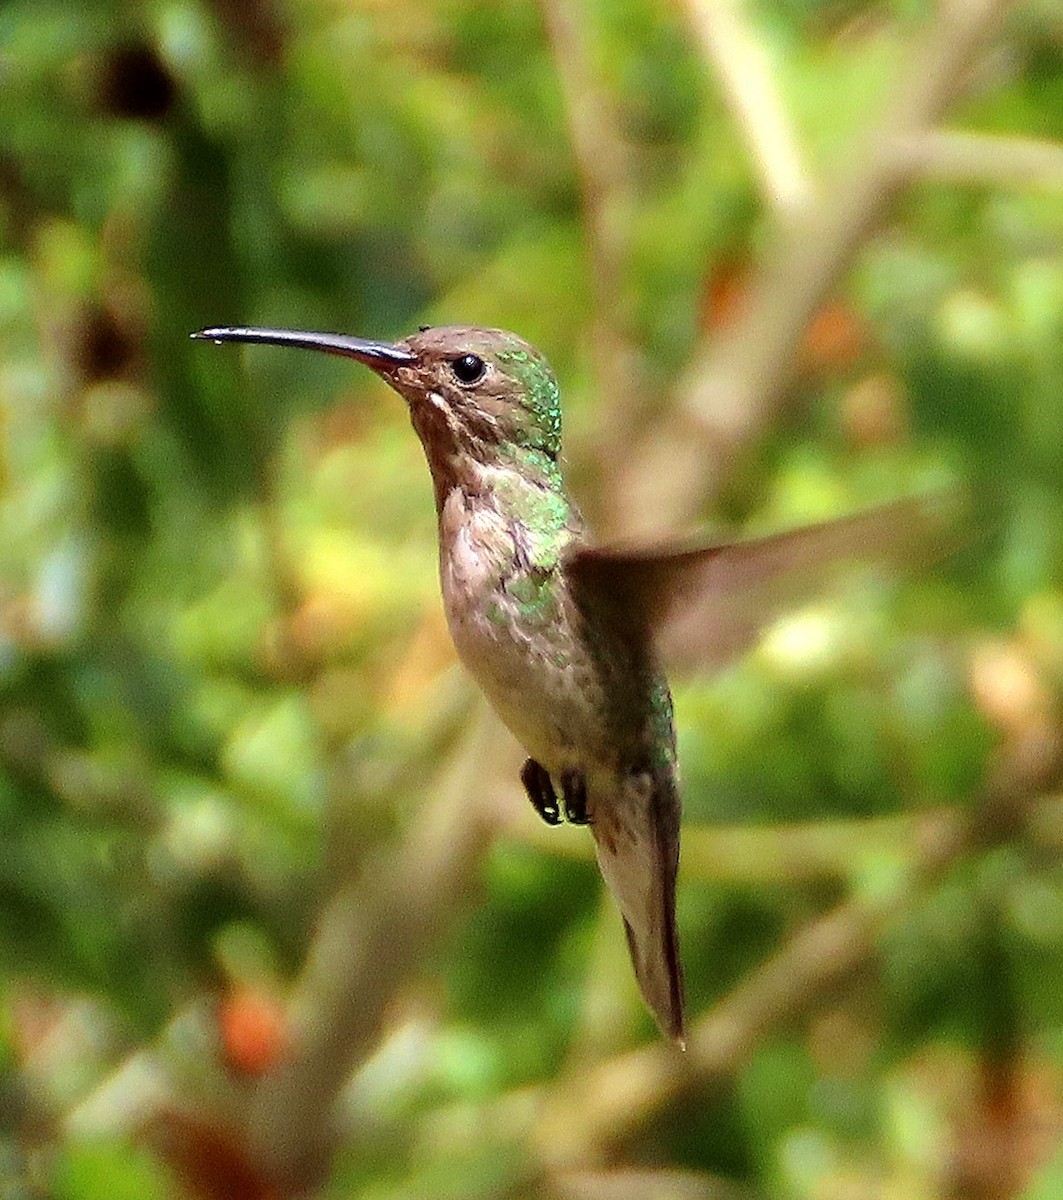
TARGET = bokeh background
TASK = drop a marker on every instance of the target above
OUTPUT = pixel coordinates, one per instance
(275, 918)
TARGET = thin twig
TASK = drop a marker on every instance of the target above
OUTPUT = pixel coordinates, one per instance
(575, 1123)
(956, 156)
(745, 77)
(603, 159)
(736, 384)
(809, 852)
(600, 149)
(617, 1096)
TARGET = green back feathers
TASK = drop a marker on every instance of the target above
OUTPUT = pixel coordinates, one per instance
(541, 395)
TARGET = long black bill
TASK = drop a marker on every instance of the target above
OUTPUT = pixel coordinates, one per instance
(373, 354)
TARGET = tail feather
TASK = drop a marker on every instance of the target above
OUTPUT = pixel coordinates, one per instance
(637, 842)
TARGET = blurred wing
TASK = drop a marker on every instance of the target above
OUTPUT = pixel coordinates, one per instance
(704, 606)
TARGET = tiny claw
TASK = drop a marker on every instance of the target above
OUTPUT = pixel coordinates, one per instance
(540, 789)
(574, 797)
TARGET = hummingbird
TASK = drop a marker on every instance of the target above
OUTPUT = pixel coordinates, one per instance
(568, 639)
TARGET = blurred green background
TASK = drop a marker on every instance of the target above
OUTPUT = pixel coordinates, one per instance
(275, 917)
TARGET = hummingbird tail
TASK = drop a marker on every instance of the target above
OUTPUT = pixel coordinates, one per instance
(637, 842)
(660, 977)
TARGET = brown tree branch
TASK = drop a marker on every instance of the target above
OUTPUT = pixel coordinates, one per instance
(617, 1096)
(736, 384)
(372, 940)
(603, 159)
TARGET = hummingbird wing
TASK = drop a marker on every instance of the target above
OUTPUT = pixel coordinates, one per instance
(636, 839)
(703, 606)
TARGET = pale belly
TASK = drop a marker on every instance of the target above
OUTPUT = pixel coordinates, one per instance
(573, 694)
(541, 684)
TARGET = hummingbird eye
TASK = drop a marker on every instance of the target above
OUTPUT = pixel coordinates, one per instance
(469, 368)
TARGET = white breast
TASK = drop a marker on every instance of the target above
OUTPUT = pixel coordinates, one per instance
(534, 676)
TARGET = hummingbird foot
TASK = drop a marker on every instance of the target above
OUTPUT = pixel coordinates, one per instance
(540, 789)
(574, 797)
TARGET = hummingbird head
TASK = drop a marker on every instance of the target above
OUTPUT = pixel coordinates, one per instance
(482, 392)
(476, 396)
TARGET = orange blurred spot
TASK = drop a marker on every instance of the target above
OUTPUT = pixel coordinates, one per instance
(836, 337)
(724, 293)
(253, 1030)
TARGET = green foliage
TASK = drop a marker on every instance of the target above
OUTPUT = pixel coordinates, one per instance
(106, 1169)
(227, 693)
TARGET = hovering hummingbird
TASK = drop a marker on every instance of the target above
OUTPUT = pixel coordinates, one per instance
(568, 639)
